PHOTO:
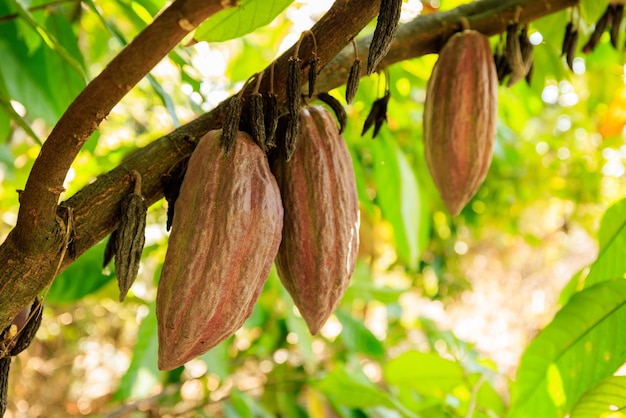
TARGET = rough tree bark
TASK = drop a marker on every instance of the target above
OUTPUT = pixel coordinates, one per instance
(37, 248)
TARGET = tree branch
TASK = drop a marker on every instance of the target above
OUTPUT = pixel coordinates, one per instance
(96, 206)
(32, 250)
(36, 218)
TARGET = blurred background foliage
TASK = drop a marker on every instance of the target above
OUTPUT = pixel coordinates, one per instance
(440, 311)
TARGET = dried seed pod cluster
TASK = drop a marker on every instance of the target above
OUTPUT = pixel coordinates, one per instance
(377, 115)
(611, 19)
(514, 60)
(13, 340)
(126, 242)
(460, 115)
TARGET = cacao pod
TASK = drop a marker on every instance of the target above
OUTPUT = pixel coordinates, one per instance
(225, 234)
(460, 115)
(318, 251)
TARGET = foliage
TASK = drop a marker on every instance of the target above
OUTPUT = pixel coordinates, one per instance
(558, 167)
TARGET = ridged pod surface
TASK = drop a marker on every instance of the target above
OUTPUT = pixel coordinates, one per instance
(460, 115)
(320, 241)
(225, 234)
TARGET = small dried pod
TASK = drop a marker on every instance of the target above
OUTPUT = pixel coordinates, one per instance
(527, 49)
(130, 237)
(257, 120)
(513, 53)
(225, 236)
(353, 80)
(5, 366)
(291, 135)
(313, 63)
(337, 107)
(271, 115)
(27, 330)
(377, 115)
(231, 123)
(601, 25)
(567, 38)
(293, 86)
(20, 333)
(384, 33)
(171, 183)
(618, 15)
(502, 67)
(571, 51)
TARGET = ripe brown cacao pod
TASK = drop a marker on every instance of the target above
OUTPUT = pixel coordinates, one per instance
(225, 235)
(460, 115)
(318, 251)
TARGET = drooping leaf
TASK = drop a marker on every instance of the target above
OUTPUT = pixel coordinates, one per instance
(610, 263)
(581, 346)
(238, 21)
(353, 389)
(607, 399)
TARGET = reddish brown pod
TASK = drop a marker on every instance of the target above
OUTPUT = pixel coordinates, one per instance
(225, 235)
(318, 251)
(460, 116)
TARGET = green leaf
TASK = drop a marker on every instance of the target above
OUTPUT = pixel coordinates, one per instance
(246, 406)
(610, 262)
(591, 10)
(581, 346)
(427, 373)
(81, 278)
(353, 389)
(143, 373)
(398, 196)
(606, 399)
(613, 222)
(238, 21)
(357, 338)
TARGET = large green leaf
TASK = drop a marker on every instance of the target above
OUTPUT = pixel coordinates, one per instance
(81, 278)
(398, 196)
(607, 399)
(353, 389)
(33, 76)
(582, 345)
(143, 372)
(610, 262)
(238, 21)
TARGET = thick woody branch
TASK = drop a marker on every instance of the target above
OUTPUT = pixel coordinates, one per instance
(423, 35)
(30, 254)
(38, 201)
